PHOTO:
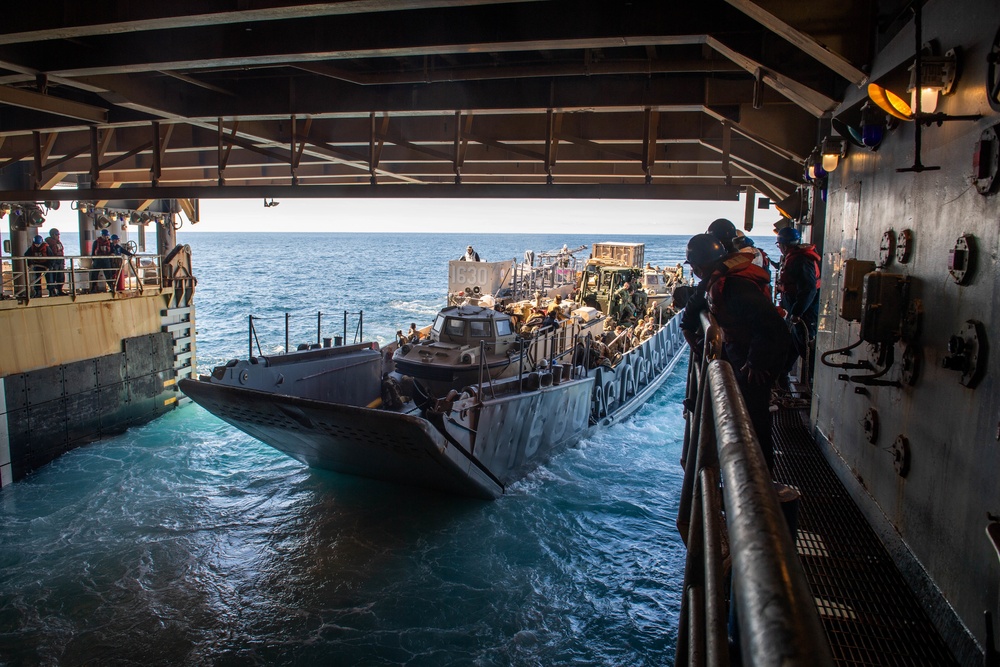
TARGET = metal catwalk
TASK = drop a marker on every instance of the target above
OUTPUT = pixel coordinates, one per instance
(869, 614)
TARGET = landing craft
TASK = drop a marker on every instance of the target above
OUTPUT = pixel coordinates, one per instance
(496, 385)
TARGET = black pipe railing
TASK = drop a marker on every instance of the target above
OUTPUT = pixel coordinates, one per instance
(76, 275)
(729, 507)
(253, 338)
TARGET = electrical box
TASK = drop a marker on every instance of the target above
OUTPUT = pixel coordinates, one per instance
(883, 305)
(853, 284)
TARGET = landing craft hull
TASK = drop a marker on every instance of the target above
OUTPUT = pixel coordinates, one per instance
(516, 434)
(473, 447)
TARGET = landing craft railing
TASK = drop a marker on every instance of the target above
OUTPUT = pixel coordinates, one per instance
(335, 341)
(76, 275)
(729, 507)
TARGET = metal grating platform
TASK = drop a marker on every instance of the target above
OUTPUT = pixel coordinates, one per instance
(869, 613)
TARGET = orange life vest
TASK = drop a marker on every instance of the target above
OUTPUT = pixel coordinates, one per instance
(796, 254)
(102, 246)
(738, 265)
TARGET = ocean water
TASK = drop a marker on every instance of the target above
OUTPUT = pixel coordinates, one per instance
(186, 542)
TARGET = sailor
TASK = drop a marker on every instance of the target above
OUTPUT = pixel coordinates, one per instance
(756, 338)
(799, 279)
(412, 336)
(564, 256)
(744, 243)
(37, 265)
(101, 251)
(118, 249)
(626, 307)
(55, 278)
(470, 255)
(725, 231)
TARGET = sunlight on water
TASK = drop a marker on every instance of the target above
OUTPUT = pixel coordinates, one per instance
(187, 542)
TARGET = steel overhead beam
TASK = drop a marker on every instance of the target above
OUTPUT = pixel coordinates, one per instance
(814, 102)
(392, 191)
(804, 42)
(27, 99)
(457, 74)
(217, 13)
(293, 57)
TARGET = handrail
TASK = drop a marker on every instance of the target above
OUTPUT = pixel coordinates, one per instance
(74, 275)
(776, 619)
(333, 341)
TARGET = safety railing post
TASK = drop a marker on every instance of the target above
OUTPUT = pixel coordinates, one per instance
(287, 315)
(319, 327)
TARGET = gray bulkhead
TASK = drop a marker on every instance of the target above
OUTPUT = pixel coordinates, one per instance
(933, 518)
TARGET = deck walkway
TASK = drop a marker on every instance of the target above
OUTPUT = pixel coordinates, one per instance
(869, 613)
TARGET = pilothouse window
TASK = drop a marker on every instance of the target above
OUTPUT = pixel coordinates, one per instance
(503, 327)
(479, 328)
(455, 327)
(438, 323)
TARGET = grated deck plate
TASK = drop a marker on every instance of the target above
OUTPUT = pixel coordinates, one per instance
(869, 613)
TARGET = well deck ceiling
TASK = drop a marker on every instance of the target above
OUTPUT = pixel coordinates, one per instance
(527, 98)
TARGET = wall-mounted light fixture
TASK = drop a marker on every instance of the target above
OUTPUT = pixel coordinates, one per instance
(930, 76)
(832, 149)
(873, 126)
(791, 206)
(814, 166)
(34, 215)
(936, 77)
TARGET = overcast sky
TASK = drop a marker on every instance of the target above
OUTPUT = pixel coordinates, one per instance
(517, 216)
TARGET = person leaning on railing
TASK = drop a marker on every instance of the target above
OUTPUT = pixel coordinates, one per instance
(756, 339)
(37, 265)
(101, 264)
(55, 278)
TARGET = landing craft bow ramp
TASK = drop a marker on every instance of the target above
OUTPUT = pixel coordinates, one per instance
(421, 98)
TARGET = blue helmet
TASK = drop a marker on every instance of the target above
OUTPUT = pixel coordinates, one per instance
(114, 237)
(104, 232)
(38, 239)
(789, 236)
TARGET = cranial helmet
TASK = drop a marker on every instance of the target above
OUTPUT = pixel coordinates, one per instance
(114, 237)
(37, 239)
(704, 249)
(789, 236)
(104, 232)
(723, 229)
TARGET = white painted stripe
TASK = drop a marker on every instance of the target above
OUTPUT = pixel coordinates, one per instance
(6, 476)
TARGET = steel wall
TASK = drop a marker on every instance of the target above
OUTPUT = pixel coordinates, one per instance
(940, 509)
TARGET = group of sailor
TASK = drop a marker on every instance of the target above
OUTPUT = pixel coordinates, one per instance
(762, 340)
(107, 252)
(41, 263)
(45, 260)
